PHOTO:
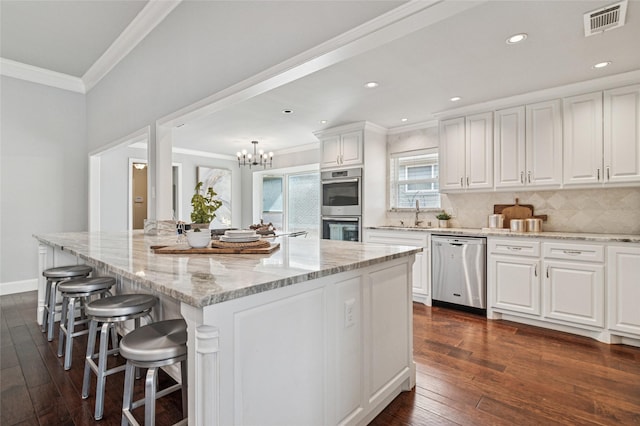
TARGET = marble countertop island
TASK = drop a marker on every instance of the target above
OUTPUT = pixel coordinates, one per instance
(335, 316)
(201, 280)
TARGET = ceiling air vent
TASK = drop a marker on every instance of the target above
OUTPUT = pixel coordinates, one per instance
(604, 19)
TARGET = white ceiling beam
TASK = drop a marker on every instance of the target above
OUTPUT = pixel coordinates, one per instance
(149, 17)
(39, 75)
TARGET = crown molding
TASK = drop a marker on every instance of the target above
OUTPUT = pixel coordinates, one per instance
(198, 153)
(43, 76)
(596, 84)
(411, 127)
(149, 17)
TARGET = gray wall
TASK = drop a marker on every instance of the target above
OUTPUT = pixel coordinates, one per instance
(43, 171)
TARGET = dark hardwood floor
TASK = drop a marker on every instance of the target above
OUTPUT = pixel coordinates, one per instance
(470, 371)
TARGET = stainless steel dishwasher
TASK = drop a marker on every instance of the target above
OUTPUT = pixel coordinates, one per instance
(458, 266)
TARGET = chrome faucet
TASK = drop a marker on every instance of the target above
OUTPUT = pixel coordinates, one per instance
(416, 221)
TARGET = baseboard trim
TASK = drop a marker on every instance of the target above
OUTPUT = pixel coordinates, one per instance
(18, 286)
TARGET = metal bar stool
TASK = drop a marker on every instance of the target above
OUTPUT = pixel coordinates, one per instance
(80, 289)
(151, 346)
(54, 276)
(108, 312)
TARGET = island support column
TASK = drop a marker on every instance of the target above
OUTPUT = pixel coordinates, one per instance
(203, 366)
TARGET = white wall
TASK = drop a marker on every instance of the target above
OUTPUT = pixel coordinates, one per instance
(43, 173)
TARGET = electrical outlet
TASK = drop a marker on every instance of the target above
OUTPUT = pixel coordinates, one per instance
(349, 314)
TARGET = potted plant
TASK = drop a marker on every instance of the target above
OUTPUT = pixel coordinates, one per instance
(204, 207)
(443, 219)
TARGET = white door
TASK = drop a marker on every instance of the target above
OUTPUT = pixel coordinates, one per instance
(351, 152)
(452, 155)
(623, 284)
(544, 144)
(479, 151)
(622, 134)
(509, 148)
(330, 151)
(574, 292)
(583, 139)
(516, 283)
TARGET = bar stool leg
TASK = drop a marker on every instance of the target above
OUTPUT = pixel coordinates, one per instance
(63, 320)
(45, 311)
(91, 346)
(51, 315)
(114, 338)
(102, 368)
(71, 318)
(150, 397)
(127, 399)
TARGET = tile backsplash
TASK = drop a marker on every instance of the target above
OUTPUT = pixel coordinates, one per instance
(611, 210)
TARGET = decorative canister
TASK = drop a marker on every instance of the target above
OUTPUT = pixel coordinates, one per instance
(533, 225)
(496, 221)
(517, 225)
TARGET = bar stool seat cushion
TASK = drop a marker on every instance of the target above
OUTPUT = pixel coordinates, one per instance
(86, 285)
(120, 305)
(156, 341)
(67, 271)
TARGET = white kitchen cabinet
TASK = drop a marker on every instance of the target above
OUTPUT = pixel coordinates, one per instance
(528, 146)
(509, 148)
(622, 134)
(623, 282)
(342, 149)
(513, 276)
(466, 153)
(583, 141)
(543, 133)
(421, 266)
(574, 292)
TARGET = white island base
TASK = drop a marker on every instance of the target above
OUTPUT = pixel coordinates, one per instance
(326, 352)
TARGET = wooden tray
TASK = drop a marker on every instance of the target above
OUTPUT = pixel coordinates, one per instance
(516, 211)
(214, 250)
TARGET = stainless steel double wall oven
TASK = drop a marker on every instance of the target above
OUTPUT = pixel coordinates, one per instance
(342, 204)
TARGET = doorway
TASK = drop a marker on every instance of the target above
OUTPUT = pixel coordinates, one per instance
(138, 199)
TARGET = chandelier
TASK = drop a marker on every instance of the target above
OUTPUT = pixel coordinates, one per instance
(258, 158)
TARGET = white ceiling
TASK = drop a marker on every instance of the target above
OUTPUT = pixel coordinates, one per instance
(464, 55)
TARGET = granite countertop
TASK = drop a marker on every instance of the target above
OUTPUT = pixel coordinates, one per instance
(201, 280)
(486, 232)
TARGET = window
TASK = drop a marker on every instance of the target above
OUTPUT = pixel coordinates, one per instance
(414, 176)
(291, 201)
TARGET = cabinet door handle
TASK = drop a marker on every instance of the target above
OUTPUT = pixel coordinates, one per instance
(467, 181)
(535, 270)
(514, 248)
(598, 175)
(608, 177)
(521, 177)
(461, 182)
(572, 252)
(547, 272)
(529, 177)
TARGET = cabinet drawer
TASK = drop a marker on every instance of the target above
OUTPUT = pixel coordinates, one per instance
(568, 251)
(514, 247)
(397, 238)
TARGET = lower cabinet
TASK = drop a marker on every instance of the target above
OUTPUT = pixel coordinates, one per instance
(513, 276)
(421, 266)
(574, 292)
(623, 285)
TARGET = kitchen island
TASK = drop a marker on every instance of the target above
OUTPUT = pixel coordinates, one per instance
(318, 332)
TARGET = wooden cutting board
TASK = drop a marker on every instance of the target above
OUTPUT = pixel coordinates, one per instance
(214, 250)
(513, 211)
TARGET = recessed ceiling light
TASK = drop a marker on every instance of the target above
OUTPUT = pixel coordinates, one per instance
(287, 111)
(323, 121)
(455, 99)
(404, 119)
(371, 84)
(516, 38)
(601, 64)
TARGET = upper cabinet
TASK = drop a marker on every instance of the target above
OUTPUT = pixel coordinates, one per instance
(343, 149)
(528, 146)
(466, 153)
(583, 139)
(602, 137)
(622, 134)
